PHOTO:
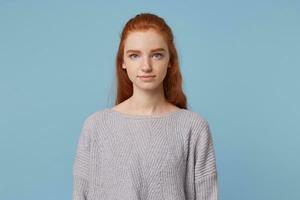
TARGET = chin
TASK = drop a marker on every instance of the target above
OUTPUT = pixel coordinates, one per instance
(147, 86)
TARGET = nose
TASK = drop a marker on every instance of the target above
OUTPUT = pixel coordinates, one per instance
(146, 65)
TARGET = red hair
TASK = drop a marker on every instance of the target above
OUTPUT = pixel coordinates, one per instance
(172, 83)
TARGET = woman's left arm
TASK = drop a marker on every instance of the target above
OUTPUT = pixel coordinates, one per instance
(206, 180)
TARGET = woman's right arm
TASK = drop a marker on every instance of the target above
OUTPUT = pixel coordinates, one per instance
(81, 162)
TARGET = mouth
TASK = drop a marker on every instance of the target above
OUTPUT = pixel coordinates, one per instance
(146, 78)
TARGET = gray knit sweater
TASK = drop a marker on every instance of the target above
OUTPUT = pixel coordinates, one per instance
(169, 156)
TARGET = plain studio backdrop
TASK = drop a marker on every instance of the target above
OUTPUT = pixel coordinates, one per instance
(240, 64)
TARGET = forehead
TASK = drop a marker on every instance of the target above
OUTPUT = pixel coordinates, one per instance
(145, 40)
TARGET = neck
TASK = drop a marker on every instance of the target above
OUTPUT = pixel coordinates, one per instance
(148, 102)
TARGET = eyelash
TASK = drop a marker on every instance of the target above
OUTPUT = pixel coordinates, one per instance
(161, 55)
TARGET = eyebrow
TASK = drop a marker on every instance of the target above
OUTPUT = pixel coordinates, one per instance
(137, 51)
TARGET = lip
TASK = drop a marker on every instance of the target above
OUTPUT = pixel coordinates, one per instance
(148, 76)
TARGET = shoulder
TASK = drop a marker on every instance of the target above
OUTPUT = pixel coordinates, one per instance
(196, 118)
(93, 118)
(198, 124)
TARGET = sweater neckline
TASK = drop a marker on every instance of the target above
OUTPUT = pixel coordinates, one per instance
(154, 116)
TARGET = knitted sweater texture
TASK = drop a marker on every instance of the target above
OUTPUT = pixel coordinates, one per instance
(169, 156)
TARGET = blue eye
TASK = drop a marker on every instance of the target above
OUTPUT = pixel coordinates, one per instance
(158, 55)
(132, 56)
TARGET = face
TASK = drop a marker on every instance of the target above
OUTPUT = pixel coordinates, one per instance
(146, 59)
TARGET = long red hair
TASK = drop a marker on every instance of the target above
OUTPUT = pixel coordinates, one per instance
(172, 83)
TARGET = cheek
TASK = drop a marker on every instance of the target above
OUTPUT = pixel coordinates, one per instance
(162, 69)
(131, 73)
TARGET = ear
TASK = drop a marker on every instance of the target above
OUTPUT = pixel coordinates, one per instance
(123, 65)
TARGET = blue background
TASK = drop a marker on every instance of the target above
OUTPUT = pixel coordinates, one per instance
(240, 64)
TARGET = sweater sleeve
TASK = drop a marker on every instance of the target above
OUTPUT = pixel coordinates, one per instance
(206, 186)
(81, 163)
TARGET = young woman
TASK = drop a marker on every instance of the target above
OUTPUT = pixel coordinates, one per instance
(149, 146)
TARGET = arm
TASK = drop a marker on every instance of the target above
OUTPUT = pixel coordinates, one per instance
(81, 163)
(206, 186)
